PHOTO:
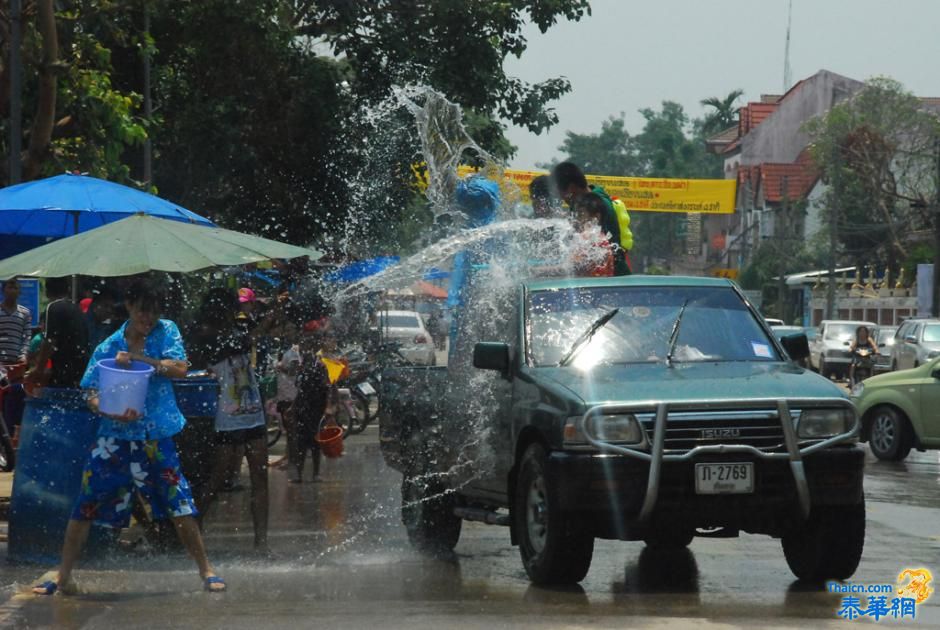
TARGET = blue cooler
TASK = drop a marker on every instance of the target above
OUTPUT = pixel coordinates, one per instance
(56, 438)
(197, 397)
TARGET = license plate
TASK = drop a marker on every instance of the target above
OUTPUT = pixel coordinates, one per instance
(730, 478)
(366, 388)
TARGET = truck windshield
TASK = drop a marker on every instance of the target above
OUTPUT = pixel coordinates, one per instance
(716, 326)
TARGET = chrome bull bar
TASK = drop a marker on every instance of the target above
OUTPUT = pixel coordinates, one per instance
(657, 455)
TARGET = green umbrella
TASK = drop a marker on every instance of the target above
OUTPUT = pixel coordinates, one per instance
(143, 243)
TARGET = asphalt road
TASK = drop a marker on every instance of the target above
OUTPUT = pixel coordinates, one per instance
(342, 561)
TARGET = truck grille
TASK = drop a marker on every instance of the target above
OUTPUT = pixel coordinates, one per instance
(687, 430)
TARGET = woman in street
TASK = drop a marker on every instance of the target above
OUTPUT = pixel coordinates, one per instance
(136, 451)
(225, 350)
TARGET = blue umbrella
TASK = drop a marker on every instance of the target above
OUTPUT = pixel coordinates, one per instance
(355, 271)
(70, 204)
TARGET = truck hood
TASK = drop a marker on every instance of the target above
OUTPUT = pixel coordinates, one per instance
(686, 382)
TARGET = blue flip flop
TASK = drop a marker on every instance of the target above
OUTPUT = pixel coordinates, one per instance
(48, 588)
(214, 579)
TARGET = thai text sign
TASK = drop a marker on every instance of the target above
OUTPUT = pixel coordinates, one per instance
(644, 194)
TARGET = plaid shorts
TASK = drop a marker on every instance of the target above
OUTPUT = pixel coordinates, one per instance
(117, 467)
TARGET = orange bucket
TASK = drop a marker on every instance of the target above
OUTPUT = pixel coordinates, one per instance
(330, 440)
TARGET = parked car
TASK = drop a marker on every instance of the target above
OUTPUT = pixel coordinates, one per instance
(916, 342)
(407, 328)
(899, 411)
(884, 336)
(631, 408)
(829, 351)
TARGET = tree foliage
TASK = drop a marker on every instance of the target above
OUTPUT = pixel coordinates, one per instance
(262, 107)
(723, 112)
(877, 152)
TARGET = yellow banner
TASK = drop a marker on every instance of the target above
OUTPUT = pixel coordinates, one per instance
(642, 194)
(730, 274)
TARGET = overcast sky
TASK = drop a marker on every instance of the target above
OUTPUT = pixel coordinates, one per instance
(632, 54)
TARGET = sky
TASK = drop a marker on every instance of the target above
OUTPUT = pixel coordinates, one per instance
(632, 54)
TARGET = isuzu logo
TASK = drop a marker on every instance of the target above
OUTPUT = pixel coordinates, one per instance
(719, 434)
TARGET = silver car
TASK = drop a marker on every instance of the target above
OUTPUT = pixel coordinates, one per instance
(407, 328)
(885, 337)
(916, 342)
(829, 351)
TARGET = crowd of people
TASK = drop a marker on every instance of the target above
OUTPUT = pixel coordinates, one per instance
(135, 455)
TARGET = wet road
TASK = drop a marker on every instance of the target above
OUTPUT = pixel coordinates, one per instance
(342, 561)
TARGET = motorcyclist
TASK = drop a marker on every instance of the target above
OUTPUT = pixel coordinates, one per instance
(862, 341)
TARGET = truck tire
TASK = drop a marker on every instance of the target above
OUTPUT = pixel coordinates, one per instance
(555, 547)
(889, 434)
(829, 545)
(823, 369)
(427, 510)
(666, 539)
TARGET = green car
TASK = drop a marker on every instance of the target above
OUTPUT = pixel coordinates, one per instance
(898, 411)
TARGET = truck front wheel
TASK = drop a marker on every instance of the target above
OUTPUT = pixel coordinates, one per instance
(555, 547)
(829, 545)
(427, 511)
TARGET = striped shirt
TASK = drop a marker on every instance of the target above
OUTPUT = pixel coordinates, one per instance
(15, 332)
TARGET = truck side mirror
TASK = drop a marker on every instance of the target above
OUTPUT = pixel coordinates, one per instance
(489, 355)
(796, 346)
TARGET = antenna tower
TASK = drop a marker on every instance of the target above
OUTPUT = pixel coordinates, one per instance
(786, 51)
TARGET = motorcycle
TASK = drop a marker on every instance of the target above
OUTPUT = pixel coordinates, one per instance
(863, 360)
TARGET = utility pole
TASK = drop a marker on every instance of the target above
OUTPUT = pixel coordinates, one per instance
(935, 294)
(783, 229)
(16, 91)
(833, 241)
(786, 51)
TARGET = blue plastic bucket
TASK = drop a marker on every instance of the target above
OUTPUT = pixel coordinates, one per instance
(122, 387)
(56, 437)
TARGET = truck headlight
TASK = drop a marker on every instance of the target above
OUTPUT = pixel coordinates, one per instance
(620, 429)
(823, 423)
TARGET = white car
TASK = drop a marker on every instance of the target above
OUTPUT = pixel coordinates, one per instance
(829, 351)
(407, 328)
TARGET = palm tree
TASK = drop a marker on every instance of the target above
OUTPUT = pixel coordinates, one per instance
(723, 114)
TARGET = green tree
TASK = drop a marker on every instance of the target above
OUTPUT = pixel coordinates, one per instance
(75, 118)
(723, 112)
(877, 152)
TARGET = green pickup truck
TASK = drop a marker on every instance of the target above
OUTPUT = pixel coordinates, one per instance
(633, 408)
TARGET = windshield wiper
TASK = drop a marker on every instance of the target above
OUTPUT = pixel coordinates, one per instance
(674, 337)
(586, 336)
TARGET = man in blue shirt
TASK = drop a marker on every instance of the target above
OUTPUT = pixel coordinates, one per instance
(135, 451)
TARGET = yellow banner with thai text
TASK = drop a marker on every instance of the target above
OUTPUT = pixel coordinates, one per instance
(643, 194)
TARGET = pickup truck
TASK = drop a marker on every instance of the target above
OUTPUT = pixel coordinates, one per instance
(632, 408)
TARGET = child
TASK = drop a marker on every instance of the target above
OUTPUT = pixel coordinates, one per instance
(596, 257)
(314, 389)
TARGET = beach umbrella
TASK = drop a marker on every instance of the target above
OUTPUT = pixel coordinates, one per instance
(141, 243)
(69, 204)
